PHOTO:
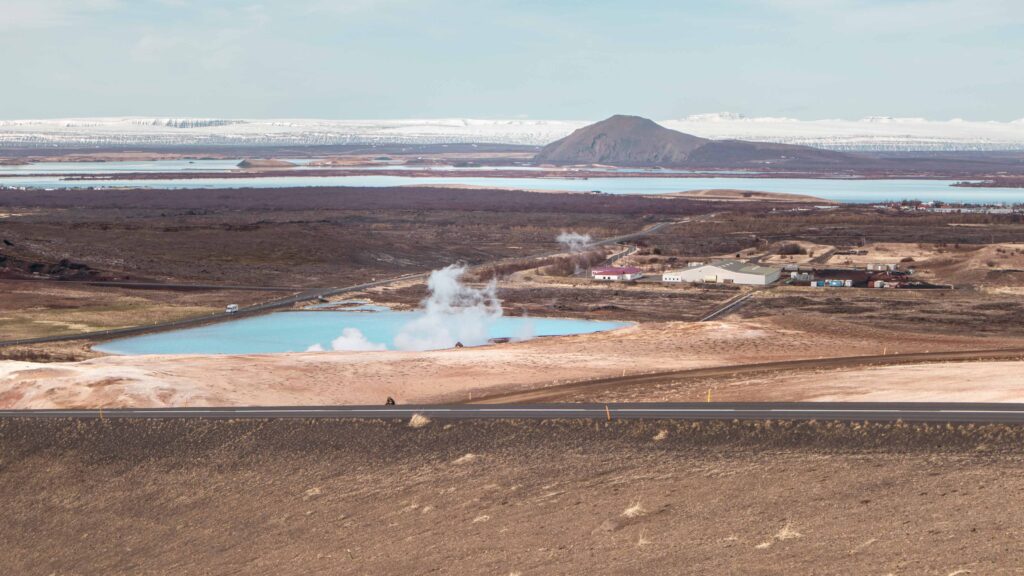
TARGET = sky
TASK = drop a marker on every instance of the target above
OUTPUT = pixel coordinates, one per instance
(542, 59)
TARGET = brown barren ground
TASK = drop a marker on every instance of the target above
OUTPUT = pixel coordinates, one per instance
(461, 374)
(291, 497)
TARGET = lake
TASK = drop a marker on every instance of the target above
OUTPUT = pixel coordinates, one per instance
(122, 166)
(299, 331)
(840, 190)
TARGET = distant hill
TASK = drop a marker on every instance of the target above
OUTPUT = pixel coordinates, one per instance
(635, 141)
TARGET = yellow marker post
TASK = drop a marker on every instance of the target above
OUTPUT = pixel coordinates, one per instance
(608, 412)
(709, 394)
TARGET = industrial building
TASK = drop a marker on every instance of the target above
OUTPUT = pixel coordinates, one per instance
(725, 272)
(616, 274)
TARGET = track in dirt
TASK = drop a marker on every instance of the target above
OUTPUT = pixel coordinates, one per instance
(560, 391)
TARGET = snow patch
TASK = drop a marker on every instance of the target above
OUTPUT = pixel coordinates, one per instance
(872, 133)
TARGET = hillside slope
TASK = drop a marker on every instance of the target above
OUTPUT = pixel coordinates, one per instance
(291, 497)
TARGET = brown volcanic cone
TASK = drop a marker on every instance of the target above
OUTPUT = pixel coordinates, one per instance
(635, 141)
(624, 141)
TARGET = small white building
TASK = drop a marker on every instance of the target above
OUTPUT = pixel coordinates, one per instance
(725, 272)
(616, 274)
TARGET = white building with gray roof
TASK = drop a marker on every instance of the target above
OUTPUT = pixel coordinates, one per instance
(725, 272)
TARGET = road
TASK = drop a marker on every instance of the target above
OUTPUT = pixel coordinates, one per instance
(875, 412)
(730, 306)
(635, 235)
(285, 302)
(560, 392)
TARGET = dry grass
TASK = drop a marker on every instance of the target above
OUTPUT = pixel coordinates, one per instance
(635, 510)
(418, 421)
(29, 309)
(787, 533)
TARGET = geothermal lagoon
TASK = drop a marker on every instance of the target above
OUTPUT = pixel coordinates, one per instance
(453, 313)
(301, 331)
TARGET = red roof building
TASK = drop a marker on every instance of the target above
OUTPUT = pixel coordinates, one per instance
(614, 273)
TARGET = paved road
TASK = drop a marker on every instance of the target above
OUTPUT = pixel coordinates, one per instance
(877, 412)
(634, 235)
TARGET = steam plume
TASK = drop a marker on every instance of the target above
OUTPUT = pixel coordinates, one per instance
(453, 312)
(352, 340)
(573, 241)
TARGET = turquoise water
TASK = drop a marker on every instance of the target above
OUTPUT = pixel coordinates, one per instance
(298, 331)
(844, 190)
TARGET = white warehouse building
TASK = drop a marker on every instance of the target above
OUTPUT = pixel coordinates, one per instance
(725, 272)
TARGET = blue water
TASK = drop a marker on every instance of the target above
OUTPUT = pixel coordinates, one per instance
(220, 165)
(122, 166)
(297, 331)
(841, 190)
(215, 165)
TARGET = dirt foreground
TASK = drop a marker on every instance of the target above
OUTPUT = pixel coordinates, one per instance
(292, 497)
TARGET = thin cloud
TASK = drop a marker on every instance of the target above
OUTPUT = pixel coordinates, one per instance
(903, 15)
(38, 14)
(217, 51)
(348, 7)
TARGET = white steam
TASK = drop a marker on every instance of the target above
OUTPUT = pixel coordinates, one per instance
(526, 330)
(573, 241)
(351, 340)
(453, 312)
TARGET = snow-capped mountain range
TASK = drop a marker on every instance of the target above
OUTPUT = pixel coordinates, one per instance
(874, 133)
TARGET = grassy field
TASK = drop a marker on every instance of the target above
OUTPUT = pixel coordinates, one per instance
(34, 309)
